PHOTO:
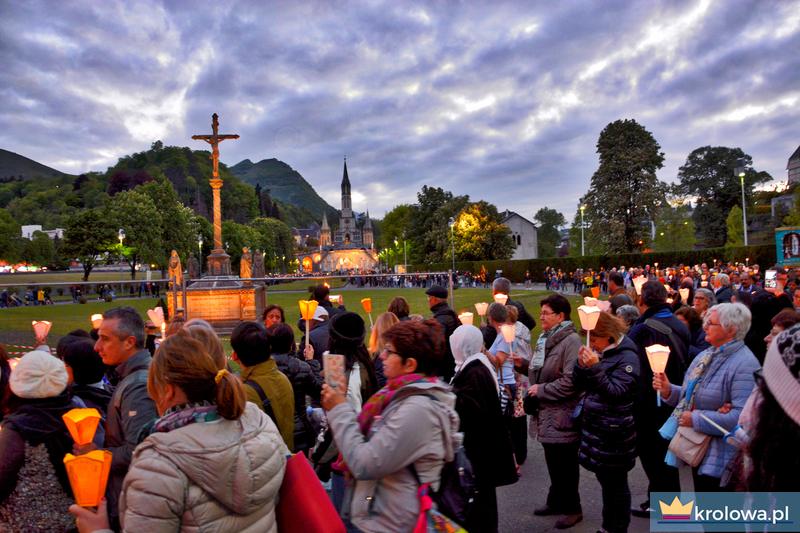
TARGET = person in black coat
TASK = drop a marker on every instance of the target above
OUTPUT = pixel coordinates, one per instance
(437, 302)
(305, 377)
(608, 374)
(657, 325)
(503, 286)
(486, 440)
(697, 335)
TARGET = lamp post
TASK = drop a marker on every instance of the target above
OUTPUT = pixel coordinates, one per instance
(741, 172)
(453, 242)
(396, 253)
(121, 236)
(200, 251)
(583, 208)
(405, 253)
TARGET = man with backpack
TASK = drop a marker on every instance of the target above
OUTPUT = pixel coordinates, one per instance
(264, 384)
(657, 325)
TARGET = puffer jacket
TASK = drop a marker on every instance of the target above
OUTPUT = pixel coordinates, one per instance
(413, 428)
(553, 424)
(306, 380)
(608, 432)
(221, 476)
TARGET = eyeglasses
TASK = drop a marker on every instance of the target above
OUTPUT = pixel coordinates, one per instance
(713, 324)
(546, 313)
(390, 352)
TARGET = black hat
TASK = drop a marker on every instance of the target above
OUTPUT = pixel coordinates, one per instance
(348, 327)
(438, 291)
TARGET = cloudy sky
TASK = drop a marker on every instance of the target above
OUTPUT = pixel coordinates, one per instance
(503, 101)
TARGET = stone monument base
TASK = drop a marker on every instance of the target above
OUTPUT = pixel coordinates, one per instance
(222, 301)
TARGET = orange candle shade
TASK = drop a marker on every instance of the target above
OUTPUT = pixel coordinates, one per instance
(82, 424)
(88, 476)
(366, 303)
(596, 292)
(307, 308)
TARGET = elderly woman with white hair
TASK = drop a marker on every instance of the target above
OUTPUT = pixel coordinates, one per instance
(722, 374)
(703, 300)
(722, 288)
(486, 439)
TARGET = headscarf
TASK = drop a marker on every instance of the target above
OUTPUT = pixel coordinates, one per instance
(466, 343)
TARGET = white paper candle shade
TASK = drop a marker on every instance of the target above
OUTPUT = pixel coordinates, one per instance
(157, 316)
(589, 301)
(508, 330)
(466, 318)
(41, 328)
(501, 298)
(658, 355)
(684, 295)
(638, 282)
(604, 305)
(481, 308)
(97, 320)
(589, 316)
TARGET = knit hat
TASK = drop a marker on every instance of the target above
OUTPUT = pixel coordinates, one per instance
(782, 371)
(348, 327)
(38, 375)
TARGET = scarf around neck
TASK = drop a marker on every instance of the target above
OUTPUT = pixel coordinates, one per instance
(378, 402)
(182, 415)
(537, 361)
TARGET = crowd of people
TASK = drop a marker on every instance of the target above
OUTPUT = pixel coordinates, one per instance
(200, 438)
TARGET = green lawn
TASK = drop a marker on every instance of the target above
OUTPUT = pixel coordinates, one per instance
(25, 278)
(71, 316)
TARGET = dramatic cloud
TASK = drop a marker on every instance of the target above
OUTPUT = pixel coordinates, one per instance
(503, 101)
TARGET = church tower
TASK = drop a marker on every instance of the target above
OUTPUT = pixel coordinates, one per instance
(347, 206)
(367, 232)
(325, 232)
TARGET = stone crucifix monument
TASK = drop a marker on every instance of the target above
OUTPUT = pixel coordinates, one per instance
(219, 263)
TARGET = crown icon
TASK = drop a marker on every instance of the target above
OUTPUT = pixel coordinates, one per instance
(676, 510)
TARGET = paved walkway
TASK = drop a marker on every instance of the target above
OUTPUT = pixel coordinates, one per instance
(516, 502)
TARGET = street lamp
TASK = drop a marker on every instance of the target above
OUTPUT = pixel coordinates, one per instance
(200, 251)
(741, 171)
(453, 242)
(405, 253)
(583, 208)
(121, 236)
(396, 253)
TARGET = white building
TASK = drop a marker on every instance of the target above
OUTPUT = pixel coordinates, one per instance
(524, 233)
(28, 231)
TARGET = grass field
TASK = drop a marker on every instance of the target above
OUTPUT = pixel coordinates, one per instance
(15, 323)
(22, 279)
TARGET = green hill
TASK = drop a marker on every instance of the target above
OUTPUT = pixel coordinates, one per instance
(284, 184)
(17, 167)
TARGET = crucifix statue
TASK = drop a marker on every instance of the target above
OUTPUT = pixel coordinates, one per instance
(218, 262)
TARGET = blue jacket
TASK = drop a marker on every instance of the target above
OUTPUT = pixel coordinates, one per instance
(608, 434)
(729, 379)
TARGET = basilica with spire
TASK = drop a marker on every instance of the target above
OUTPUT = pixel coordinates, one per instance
(348, 248)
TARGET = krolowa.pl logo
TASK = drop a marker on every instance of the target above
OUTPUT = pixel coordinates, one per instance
(717, 511)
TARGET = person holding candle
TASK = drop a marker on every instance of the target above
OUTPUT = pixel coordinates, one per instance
(607, 373)
(503, 286)
(437, 303)
(34, 490)
(550, 373)
(657, 325)
(120, 344)
(722, 374)
(382, 324)
(214, 461)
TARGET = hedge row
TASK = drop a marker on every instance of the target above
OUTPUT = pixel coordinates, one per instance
(763, 255)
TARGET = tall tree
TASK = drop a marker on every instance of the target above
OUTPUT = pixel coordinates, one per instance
(137, 214)
(10, 239)
(480, 234)
(396, 224)
(625, 193)
(733, 224)
(430, 237)
(274, 239)
(549, 235)
(87, 235)
(709, 176)
(38, 250)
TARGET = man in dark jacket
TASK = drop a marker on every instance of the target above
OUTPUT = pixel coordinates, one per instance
(437, 302)
(657, 325)
(616, 284)
(503, 286)
(120, 344)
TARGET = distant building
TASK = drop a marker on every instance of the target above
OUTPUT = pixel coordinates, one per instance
(351, 247)
(524, 234)
(781, 205)
(28, 231)
(793, 166)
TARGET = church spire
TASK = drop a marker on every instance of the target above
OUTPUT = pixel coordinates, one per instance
(346, 201)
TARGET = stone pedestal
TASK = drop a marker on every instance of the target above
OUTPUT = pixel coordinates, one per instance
(219, 263)
(223, 301)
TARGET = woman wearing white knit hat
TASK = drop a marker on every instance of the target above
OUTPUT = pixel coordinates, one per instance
(34, 490)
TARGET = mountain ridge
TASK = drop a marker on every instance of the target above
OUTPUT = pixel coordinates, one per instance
(17, 166)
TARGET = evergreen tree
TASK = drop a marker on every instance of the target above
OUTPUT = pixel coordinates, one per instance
(548, 233)
(734, 229)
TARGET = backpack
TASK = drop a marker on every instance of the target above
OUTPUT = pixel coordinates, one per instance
(457, 486)
(266, 405)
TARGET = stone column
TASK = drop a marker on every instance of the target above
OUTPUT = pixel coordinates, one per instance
(219, 263)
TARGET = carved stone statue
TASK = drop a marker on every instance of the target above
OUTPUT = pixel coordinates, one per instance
(246, 264)
(193, 267)
(175, 270)
(258, 264)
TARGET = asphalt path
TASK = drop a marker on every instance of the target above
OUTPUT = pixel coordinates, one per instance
(515, 503)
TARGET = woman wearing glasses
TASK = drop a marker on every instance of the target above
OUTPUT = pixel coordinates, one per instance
(722, 374)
